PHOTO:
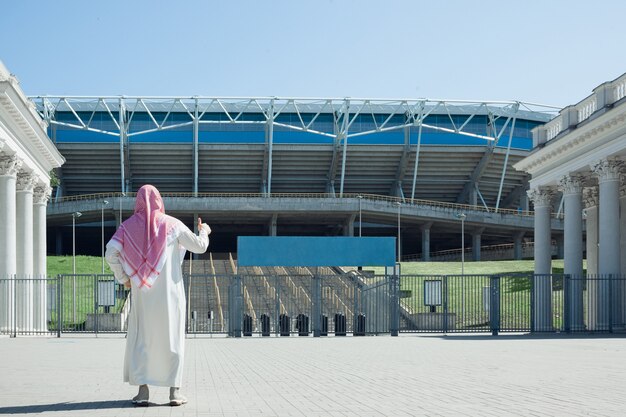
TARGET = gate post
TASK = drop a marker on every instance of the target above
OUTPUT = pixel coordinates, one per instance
(236, 306)
(494, 305)
(567, 304)
(59, 297)
(532, 302)
(445, 303)
(394, 304)
(317, 304)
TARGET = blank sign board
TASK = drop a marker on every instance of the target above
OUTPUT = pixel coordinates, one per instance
(315, 251)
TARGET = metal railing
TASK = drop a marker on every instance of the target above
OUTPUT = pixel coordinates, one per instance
(279, 303)
(371, 197)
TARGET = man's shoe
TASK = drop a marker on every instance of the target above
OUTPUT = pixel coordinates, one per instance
(141, 399)
(176, 398)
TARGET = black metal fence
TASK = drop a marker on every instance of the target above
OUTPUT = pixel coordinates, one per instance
(322, 305)
(86, 303)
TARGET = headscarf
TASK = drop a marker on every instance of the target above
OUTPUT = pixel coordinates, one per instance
(142, 238)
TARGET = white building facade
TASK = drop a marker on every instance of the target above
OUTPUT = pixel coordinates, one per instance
(27, 156)
(578, 165)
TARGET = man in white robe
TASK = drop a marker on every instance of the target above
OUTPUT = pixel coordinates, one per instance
(146, 254)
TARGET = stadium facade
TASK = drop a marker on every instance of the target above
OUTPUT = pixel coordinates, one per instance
(443, 151)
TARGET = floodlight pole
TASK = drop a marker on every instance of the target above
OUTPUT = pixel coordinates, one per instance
(74, 216)
(104, 203)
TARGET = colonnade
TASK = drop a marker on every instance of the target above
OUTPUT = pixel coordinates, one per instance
(23, 200)
(596, 197)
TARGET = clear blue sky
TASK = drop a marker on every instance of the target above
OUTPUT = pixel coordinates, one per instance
(548, 51)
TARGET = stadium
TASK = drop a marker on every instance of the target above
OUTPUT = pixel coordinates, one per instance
(296, 166)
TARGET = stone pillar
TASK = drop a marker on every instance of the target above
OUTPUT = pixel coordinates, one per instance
(24, 291)
(517, 246)
(560, 248)
(9, 166)
(572, 188)
(476, 242)
(59, 241)
(542, 199)
(41, 196)
(425, 228)
(348, 229)
(273, 225)
(523, 202)
(590, 197)
(608, 172)
(622, 244)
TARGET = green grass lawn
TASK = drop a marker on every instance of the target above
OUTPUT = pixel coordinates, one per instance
(78, 294)
(471, 268)
(84, 265)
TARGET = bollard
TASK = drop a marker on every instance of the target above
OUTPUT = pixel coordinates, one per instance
(324, 330)
(340, 324)
(359, 325)
(302, 324)
(284, 325)
(265, 325)
(247, 325)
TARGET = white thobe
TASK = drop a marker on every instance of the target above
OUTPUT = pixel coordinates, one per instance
(155, 343)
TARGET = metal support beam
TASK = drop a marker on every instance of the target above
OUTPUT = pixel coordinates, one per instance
(515, 196)
(344, 129)
(417, 154)
(340, 135)
(506, 161)
(402, 164)
(266, 176)
(123, 145)
(480, 168)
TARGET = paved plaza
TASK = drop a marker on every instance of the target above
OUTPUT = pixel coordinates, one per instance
(410, 375)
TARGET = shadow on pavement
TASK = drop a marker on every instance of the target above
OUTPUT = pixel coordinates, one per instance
(71, 406)
(530, 336)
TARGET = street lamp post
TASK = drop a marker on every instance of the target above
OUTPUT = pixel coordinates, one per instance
(121, 198)
(360, 197)
(399, 206)
(104, 203)
(462, 217)
(74, 216)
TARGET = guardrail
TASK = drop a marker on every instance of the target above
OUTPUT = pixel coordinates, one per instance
(370, 197)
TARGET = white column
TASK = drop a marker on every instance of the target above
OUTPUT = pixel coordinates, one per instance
(40, 200)
(572, 188)
(542, 199)
(9, 165)
(24, 291)
(608, 172)
(622, 244)
(590, 196)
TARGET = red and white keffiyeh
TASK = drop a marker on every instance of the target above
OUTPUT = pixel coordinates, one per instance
(142, 239)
